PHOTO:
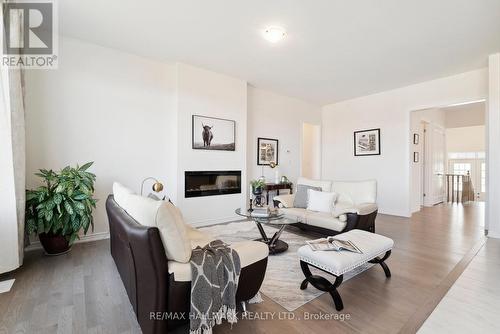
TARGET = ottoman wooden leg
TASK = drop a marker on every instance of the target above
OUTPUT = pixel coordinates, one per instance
(322, 284)
(384, 266)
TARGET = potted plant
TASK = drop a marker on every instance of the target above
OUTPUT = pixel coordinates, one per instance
(61, 207)
(257, 186)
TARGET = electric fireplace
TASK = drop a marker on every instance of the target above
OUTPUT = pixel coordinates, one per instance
(211, 183)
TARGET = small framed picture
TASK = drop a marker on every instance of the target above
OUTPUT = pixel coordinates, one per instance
(367, 142)
(267, 151)
(416, 138)
(415, 157)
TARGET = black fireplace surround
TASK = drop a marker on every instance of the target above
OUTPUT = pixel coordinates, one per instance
(211, 183)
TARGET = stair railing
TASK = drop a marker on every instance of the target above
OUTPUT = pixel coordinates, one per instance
(459, 188)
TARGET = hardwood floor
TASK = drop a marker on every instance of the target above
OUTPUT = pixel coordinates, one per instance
(472, 304)
(81, 291)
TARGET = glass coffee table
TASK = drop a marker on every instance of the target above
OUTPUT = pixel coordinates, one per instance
(278, 219)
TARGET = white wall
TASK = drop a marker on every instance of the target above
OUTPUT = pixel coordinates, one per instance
(435, 116)
(132, 117)
(466, 139)
(105, 106)
(279, 117)
(471, 114)
(493, 152)
(207, 93)
(389, 111)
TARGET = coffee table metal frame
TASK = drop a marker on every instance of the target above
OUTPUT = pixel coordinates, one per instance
(274, 243)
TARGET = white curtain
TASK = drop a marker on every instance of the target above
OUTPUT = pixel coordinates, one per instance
(12, 169)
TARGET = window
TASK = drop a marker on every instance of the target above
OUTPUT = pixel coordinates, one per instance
(466, 155)
(460, 168)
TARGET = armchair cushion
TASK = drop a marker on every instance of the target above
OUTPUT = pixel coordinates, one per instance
(366, 208)
(296, 215)
(248, 251)
(285, 201)
(325, 220)
(197, 237)
(360, 209)
(356, 192)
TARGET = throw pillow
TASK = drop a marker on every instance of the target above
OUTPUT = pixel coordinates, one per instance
(300, 200)
(173, 233)
(161, 214)
(121, 194)
(320, 201)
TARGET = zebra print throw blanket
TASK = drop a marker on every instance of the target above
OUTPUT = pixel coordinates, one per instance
(215, 270)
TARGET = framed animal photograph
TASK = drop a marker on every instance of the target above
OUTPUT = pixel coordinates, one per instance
(367, 142)
(267, 151)
(210, 133)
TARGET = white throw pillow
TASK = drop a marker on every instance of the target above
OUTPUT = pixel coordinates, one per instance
(161, 214)
(120, 193)
(173, 233)
(320, 201)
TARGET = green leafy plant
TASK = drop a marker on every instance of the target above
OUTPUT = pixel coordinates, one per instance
(63, 204)
(256, 184)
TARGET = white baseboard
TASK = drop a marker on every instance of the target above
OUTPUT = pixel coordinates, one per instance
(394, 213)
(493, 234)
(86, 238)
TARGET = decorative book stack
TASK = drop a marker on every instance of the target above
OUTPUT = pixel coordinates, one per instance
(261, 211)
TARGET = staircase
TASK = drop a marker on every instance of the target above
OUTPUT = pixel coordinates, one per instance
(459, 188)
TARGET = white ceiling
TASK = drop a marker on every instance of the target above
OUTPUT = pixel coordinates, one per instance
(335, 49)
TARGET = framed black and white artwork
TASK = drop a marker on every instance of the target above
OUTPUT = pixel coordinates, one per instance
(267, 151)
(210, 133)
(367, 142)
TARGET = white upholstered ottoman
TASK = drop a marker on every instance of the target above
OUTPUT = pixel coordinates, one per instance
(376, 249)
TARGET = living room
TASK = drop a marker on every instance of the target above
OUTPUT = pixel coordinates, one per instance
(215, 108)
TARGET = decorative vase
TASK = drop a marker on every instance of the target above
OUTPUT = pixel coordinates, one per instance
(54, 244)
(257, 191)
(258, 199)
(276, 175)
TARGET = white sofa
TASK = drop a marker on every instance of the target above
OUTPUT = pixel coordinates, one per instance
(355, 207)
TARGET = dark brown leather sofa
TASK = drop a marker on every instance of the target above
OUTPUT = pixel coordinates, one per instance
(159, 302)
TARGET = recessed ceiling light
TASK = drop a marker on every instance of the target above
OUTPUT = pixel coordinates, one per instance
(274, 34)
